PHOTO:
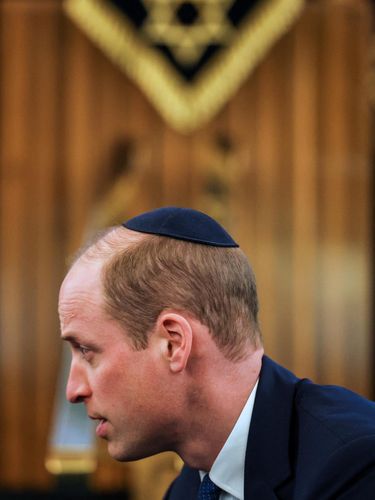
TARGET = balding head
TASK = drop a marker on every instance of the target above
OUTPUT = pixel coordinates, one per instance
(141, 275)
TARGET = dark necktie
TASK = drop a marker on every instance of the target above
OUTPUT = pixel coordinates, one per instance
(208, 490)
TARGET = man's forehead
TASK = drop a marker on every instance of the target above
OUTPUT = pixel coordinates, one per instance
(76, 309)
(84, 278)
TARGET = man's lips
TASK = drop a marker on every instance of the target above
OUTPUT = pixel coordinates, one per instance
(101, 427)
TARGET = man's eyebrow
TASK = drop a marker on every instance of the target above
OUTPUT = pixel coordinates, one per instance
(70, 338)
(76, 341)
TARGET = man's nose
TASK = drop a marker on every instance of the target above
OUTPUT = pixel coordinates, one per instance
(77, 387)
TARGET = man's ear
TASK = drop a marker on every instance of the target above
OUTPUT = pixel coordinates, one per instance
(176, 334)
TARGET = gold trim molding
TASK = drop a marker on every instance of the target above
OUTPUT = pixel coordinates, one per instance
(185, 106)
(70, 462)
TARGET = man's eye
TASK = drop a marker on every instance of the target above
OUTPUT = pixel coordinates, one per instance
(83, 350)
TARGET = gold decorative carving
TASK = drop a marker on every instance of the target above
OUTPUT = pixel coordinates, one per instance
(187, 42)
(185, 106)
(221, 173)
(59, 462)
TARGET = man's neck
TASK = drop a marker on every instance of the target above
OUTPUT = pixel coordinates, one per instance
(216, 402)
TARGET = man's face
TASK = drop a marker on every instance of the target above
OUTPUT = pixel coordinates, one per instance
(125, 390)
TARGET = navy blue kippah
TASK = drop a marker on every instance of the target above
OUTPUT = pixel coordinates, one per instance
(183, 224)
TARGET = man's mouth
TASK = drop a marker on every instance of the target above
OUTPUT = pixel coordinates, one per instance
(101, 429)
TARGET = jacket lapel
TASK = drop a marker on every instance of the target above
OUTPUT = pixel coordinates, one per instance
(267, 464)
(185, 487)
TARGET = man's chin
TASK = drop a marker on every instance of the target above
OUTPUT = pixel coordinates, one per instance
(115, 452)
(127, 454)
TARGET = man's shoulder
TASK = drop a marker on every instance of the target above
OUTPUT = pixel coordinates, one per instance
(335, 439)
(341, 412)
(327, 436)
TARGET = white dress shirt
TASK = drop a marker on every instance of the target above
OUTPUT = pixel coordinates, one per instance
(228, 470)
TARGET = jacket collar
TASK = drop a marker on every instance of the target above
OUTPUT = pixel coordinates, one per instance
(267, 464)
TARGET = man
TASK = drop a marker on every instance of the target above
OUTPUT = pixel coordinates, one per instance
(161, 316)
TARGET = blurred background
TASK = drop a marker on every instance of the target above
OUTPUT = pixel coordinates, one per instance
(281, 151)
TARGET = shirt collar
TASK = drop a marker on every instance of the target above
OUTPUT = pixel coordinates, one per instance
(228, 470)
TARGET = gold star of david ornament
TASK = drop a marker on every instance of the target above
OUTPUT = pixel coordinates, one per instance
(189, 57)
(187, 41)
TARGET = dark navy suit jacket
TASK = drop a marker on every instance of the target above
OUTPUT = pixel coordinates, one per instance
(306, 442)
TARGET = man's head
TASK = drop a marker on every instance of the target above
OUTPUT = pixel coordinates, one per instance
(155, 304)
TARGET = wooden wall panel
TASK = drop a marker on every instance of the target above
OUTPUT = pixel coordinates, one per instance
(81, 137)
(343, 289)
(12, 200)
(305, 210)
(30, 256)
(286, 165)
(336, 166)
(40, 226)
